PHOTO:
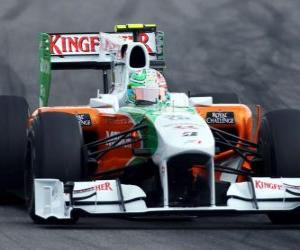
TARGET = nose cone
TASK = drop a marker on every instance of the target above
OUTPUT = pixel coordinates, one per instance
(182, 132)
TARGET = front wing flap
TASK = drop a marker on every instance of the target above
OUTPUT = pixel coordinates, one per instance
(54, 199)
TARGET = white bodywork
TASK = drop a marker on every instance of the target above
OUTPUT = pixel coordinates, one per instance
(270, 193)
(108, 197)
(198, 101)
(179, 133)
(105, 101)
(122, 70)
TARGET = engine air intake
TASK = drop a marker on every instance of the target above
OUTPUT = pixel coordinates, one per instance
(137, 57)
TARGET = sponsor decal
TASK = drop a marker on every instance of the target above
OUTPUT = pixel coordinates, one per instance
(84, 119)
(180, 125)
(194, 141)
(267, 185)
(117, 121)
(78, 44)
(103, 187)
(186, 126)
(70, 44)
(110, 44)
(126, 140)
(177, 117)
(146, 39)
(220, 118)
(100, 187)
(160, 45)
(189, 133)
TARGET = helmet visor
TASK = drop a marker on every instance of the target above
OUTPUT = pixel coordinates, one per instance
(147, 94)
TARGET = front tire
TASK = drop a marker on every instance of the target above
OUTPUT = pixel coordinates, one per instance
(279, 145)
(54, 151)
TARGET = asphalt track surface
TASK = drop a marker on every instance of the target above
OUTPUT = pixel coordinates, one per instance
(248, 47)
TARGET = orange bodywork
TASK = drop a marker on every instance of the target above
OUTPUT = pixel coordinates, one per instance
(242, 116)
(104, 125)
(243, 127)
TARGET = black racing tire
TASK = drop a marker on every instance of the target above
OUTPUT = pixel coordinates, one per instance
(220, 98)
(279, 129)
(284, 218)
(54, 151)
(14, 112)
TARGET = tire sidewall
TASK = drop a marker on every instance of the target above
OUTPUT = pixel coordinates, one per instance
(36, 160)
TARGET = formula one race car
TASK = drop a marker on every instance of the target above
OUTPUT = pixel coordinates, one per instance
(138, 149)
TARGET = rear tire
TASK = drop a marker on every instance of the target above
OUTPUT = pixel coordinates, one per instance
(54, 151)
(281, 156)
(14, 114)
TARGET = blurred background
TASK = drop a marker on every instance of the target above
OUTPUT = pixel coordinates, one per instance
(248, 47)
(251, 47)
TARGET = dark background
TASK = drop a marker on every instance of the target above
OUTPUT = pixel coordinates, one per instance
(248, 47)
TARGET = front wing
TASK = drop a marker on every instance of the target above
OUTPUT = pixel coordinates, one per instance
(55, 199)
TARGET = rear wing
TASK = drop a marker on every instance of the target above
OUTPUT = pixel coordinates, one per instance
(95, 50)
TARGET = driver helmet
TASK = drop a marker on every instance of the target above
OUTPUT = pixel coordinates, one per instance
(146, 85)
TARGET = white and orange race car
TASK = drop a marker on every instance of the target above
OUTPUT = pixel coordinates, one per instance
(138, 149)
